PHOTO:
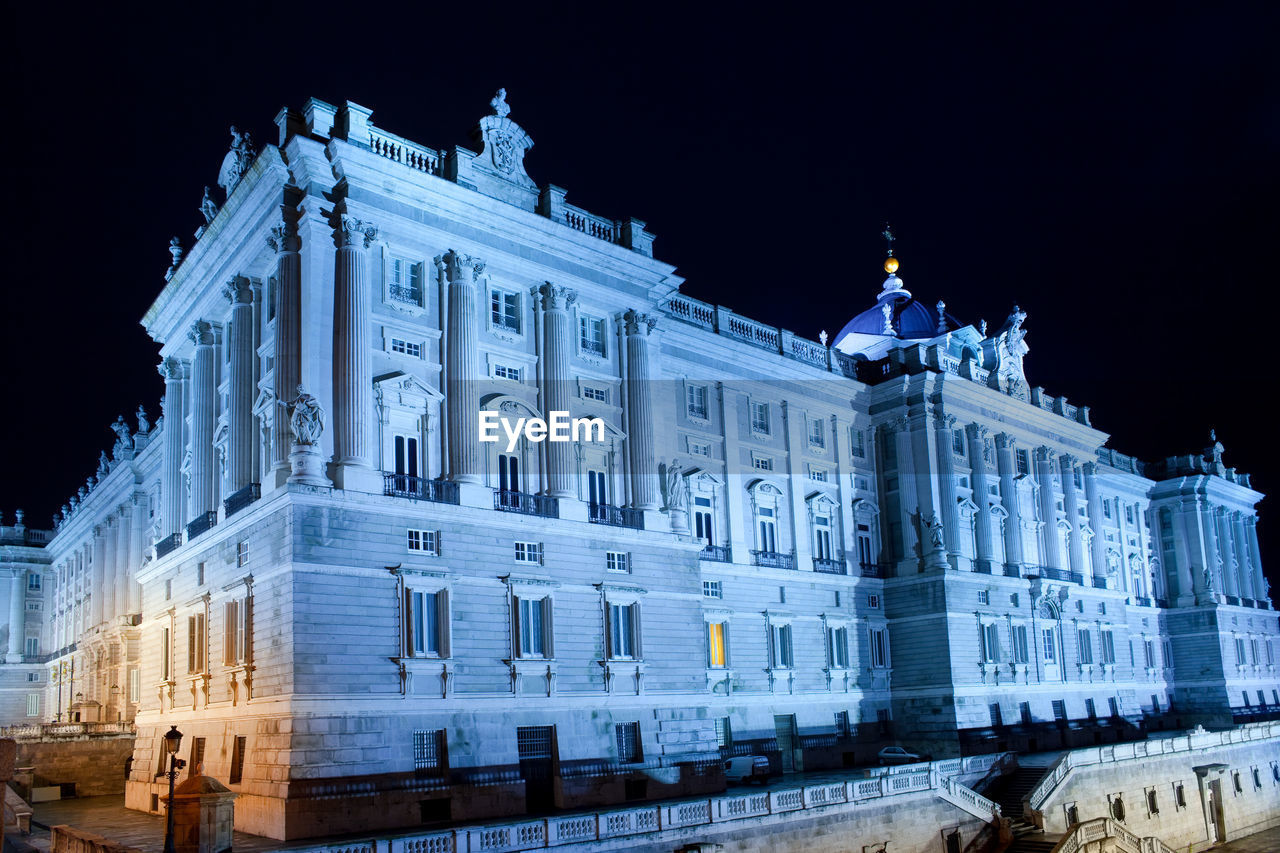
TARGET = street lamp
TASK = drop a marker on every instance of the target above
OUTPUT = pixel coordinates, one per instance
(172, 741)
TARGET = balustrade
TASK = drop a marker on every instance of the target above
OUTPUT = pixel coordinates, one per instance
(616, 516)
(526, 504)
(718, 553)
(773, 560)
(419, 488)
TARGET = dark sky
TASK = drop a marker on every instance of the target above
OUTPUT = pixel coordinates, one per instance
(1115, 172)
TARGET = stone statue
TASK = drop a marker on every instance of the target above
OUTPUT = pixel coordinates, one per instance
(306, 420)
(121, 429)
(672, 485)
(144, 426)
(1011, 348)
(982, 328)
(887, 310)
(822, 337)
(935, 532)
(104, 465)
(237, 160)
(208, 207)
(499, 103)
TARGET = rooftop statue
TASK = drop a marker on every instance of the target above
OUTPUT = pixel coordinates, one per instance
(499, 103)
(208, 207)
(123, 440)
(144, 426)
(237, 160)
(1011, 347)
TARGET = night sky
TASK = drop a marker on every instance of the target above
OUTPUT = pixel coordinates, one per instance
(1116, 173)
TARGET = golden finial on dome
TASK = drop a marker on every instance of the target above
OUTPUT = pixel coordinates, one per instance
(890, 263)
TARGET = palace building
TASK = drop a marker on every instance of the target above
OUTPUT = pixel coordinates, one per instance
(315, 568)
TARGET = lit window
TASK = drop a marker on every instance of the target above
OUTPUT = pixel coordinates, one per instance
(529, 552)
(717, 645)
(504, 309)
(423, 542)
(591, 335)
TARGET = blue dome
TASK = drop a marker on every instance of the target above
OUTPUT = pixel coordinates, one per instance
(912, 320)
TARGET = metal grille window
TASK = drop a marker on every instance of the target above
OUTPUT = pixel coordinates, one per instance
(504, 309)
(237, 760)
(534, 742)
(628, 737)
(1059, 709)
(724, 733)
(430, 750)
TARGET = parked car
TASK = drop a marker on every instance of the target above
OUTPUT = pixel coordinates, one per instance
(747, 768)
(898, 755)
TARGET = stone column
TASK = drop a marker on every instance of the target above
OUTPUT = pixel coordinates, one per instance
(98, 574)
(944, 425)
(462, 395)
(172, 499)
(557, 379)
(288, 338)
(1222, 531)
(111, 548)
(1212, 554)
(124, 566)
(644, 472)
(241, 443)
(1093, 506)
(1241, 542)
(1255, 558)
(352, 361)
(17, 615)
(1048, 508)
(204, 409)
(137, 537)
(1071, 505)
(977, 436)
(1008, 468)
(899, 432)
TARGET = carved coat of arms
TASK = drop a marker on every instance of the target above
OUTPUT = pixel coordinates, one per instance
(504, 152)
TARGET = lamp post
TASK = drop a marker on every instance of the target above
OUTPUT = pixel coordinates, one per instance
(172, 740)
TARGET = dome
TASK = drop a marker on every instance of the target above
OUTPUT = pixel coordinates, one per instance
(912, 320)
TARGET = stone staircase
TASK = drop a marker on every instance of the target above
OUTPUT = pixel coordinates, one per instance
(1009, 791)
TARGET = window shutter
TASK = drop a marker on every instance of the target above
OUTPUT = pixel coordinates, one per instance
(191, 644)
(442, 621)
(407, 644)
(246, 629)
(637, 650)
(724, 636)
(547, 631)
(609, 628)
(710, 635)
(439, 543)
(229, 633)
(516, 650)
(769, 645)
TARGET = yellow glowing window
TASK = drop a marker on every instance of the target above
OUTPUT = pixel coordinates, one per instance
(715, 644)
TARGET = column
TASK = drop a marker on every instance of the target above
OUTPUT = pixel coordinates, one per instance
(644, 472)
(204, 402)
(137, 537)
(1230, 575)
(977, 436)
(1255, 557)
(735, 483)
(1071, 505)
(110, 548)
(557, 378)
(1007, 465)
(462, 397)
(943, 426)
(172, 499)
(17, 615)
(910, 547)
(124, 565)
(288, 341)
(99, 566)
(352, 362)
(1240, 540)
(1212, 549)
(1093, 506)
(241, 441)
(1048, 508)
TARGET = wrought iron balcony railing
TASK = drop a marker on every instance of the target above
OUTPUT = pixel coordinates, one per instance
(835, 565)
(1012, 572)
(717, 554)
(593, 347)
(1056, 574)
(617, 516)
(874, 570)
(409, 295)
(1099, 583)
(167, 544)
(419, 488)
(540, 505)
(242, 499)
(773, 560)
(201, 523)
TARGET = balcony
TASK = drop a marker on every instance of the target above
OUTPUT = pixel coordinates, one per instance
(419, 488)
(167, 544)
(1058, 574)
(202, 522)
(525, 504)
(1142, 601)
(616, 516)
(773, 560)
(241, 499)
(831, 565)
(874, 570)
(407, 295)
(717, 554)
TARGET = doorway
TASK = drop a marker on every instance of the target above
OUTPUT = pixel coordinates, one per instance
(535, 746)
(784, 726)
(1217, 824)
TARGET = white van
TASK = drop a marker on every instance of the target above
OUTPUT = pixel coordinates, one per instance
(747, 768)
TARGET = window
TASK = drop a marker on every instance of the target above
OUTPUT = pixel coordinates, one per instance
(200, 574)
(768, 530)
(529, 552)
(762, 463)
(34, 606)
(1106, 509)
(135, 685)
(596, 493)
(617, 561)
(628, 737)
(1149, 652)
(591, 335)
(1090, 709)
(1023, 462)
(532, 629)
(1086, 647)
(818, 475)
(857, 443)
(1155, 704)
(406, 461)
(1050, 647)
(1108, 646)
(873, 602)
(1024, 712)
(501, 371)
(782, 595)
(165, 649)
(600, 395)
(33, 704)
(843, 728)
(237, 760)
(760, 418)
(1059, 709)
(426, 623)
(33, 582)
(712, 589)
(699, 448)
(422, 542)
(508, 473)
(957, 442)
(1240, 657)
(1117, 807)
(33, 676)
(724, 733)
(717, 645)
(702, 519)
(197, 755)
(1019, 633)
(406, 282)
(780, 635)
(196, 640)
(623, 631)
(403, 347)
(696, 398)
(838, 648)
(822, 538)
(504, 310)
(242, 552)
(234, 631)
(817, 435)
(990, 643)
(879, 648)
(984, 596)
(1235, 782)
(168, 588)
(1128, 514)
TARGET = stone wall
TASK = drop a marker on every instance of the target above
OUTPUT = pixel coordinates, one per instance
(68, 839)
(95, 764)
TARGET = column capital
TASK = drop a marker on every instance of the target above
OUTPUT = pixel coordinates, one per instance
(171, 369)
(201, 333)
(638, 323)
(1090, 469)
(1044, 453)
(350, 231)
(943, 421)
(238, 291)
(1004, 441)
(460, 268)
(555, 296)
(283, 237)
(1068, 461)
(977, 431)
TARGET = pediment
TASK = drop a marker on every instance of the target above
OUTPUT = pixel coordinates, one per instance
(405, 388)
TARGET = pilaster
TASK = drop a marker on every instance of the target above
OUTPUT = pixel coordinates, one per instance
(352, 363)
(644, 487)
(241, 445)
(204, 398)
(557, 380)
(287, 370)
(1006, 447)
(976, 435)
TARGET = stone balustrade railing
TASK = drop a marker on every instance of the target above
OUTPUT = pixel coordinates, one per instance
(66, 730)
(592, 225)
(539, 833)
(403, 151)
(1104, 828)
(1139, 751)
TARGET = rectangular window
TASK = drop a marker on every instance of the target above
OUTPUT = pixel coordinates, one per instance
(879, 648)
(990, 642)
(768, 530)
(200, 574)
(195, 644)
(843, 729)
(33, 646)
(1108, 646)
(168, 589)
(1023, 462)
(409, 348)
(1086, 647)
(237, 761)
(1024, 713)
(702, 519)
(628, 738)
(591, 335)
(234, 625)
(818, 475)
(242, 553)
(817, 434)
(873, 602)
(33, 676)
(1020, 644)
(33, 582)
(426, 619)
(33, 704)
(760, 418)
(724, 733)
(1050, 647)
(623, 631)
(422, 542)
(957, 442)
(34, 606)
(984, 596)
(857, 443)
(532, 629)
(406, 282)
(1106, 509)
(712, 589)
(135, 685)
(617, 561)
(600, 395)
(1149, 651)
(1059, 709)
(197, 755)
(822, 549)
(1090, 709)
(529, 552)
(501, 371)
(781, 636)
(1240, 658)
(1128, 514)
(838, 648)
(762, 463)
(504, 310)
(430, 753)
(697, 401)
(717, 645)
(699, 448)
